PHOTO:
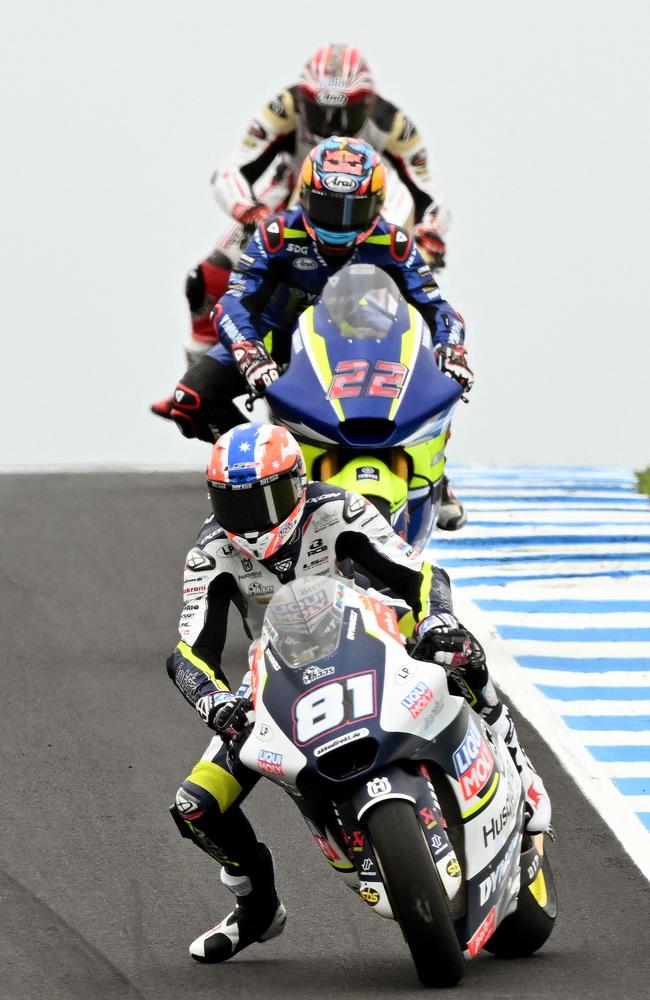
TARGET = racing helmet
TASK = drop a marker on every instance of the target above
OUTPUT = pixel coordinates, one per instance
(257, 485)
(342, 189)
(336, 91)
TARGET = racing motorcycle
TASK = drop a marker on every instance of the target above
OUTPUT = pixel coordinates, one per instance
(412, 799)
(364, 396)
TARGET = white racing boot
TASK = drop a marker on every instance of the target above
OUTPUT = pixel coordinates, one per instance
(538, 804)
(258, 916)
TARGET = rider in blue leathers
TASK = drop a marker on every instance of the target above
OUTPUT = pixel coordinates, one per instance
(283, 270)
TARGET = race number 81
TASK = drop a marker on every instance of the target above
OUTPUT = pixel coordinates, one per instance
(334, 704)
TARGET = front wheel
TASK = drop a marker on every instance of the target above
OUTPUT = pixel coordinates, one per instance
(415, 893)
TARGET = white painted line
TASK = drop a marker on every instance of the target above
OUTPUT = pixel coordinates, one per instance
(604, 707)
(626, 769)
(612, 738)
(576, 678)
(617, 810)
(570, 619)
(583, 650)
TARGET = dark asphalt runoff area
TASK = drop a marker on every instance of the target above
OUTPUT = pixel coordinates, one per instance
(99, 896)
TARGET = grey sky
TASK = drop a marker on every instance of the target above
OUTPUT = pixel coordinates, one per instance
(114, 117)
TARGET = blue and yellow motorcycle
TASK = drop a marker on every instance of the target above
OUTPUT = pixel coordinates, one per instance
(365, 398)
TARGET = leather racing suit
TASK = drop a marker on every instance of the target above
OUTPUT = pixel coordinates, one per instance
(263, 170)
(336, 525)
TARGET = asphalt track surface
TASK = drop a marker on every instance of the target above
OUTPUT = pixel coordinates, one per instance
(99, 896)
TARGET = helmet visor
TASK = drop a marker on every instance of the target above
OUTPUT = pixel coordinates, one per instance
(340, 211)
(323, 120)
(257, 507)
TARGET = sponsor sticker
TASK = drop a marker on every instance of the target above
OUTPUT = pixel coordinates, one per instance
(311, 674)
(378, 786)
(370, 895)
(340, 741)
(473, 762)
(483, 933)
(417, 699)
(270, 762)
(305, 264)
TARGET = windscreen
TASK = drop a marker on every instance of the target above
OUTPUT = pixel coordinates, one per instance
(362, 301)
(303, 620)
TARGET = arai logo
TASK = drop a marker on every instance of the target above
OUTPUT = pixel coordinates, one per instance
(332, 98)
(340, 182)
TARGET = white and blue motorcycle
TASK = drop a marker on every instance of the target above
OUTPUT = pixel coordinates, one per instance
(410, 796)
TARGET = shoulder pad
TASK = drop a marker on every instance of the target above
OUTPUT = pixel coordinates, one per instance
(280, 113)
(401, 243)
(272, 230)
(353, 507)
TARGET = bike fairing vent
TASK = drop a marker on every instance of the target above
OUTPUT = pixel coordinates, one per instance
(242, 508)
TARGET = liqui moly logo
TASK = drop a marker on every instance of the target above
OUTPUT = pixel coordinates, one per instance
(417, 699)
(270, 762)
(473, 762)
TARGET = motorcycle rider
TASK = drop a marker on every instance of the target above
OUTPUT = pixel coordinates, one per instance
(335, 95)
(269, 527)
(285, 267)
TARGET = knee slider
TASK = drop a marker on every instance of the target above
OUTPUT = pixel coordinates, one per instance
(192, 804)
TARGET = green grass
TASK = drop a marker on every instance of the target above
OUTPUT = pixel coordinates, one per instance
(643, 481)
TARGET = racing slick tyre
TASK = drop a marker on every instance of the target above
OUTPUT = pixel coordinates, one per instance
(415, 893)
(529, 927)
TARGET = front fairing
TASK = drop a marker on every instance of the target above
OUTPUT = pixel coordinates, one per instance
(348, 387)
(335, 715)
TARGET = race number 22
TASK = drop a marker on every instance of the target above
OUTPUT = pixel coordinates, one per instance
(334, 704)
(358, 378)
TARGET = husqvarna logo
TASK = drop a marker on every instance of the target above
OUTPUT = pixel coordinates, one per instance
(378, 786)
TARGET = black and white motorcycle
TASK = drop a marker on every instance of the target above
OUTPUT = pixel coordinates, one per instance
(410, 796)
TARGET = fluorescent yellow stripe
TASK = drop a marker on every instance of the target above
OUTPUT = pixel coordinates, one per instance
(538, 889)
(425, 589)
(410, 347)
(378, 239)
(407, 624)
(319, 355)
(484, 801)
(295, 234)
(217, 781)
(186, 651)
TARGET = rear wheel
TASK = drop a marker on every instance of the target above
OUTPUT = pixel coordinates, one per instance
(530, 926)
(415, 893)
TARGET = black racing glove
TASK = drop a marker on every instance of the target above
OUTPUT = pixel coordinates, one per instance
(442, 639)
(234, 719)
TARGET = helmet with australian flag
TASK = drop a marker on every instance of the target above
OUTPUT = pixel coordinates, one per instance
(257, 484)
(342, 189)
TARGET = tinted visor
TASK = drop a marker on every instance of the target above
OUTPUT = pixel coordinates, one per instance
(256, 508)
(340, 211)
(323, 121)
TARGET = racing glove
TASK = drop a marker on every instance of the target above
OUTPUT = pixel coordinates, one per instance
(255, 364)
(234, 718)
(442, 639)
(250, 215)
(430, 243)
(452, 361)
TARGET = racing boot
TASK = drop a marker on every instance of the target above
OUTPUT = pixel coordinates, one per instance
(451, 513)
(258, 916)
(538, 804)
